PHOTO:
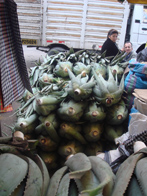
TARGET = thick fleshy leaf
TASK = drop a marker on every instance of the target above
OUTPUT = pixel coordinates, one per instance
(124, 174)
(13, 171)
(64, 186)
(78, 164)
(34, 180)
(55, 180)
(141, 174)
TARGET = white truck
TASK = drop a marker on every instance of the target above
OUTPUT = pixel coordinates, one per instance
(81, 24)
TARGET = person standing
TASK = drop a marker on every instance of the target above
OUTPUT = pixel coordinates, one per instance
(128, 48)
(110, 45)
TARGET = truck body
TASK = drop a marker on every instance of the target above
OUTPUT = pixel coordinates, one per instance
(138, 26)
(76, 23)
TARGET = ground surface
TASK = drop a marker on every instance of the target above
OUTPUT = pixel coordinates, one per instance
(31, 55)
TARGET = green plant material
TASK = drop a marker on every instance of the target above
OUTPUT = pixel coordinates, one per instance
(81, 68)
(48, 126)
(125, 172)
(108, 92)
(73, 190)
(19, 190)
(26, 125)
(27, 95)
(61, 69)
(79, 88)
(55, 181)
(71, 147)
(64, 186)
(5, 139)
(94, 112)
(99, 68)
(47, 79)
(92, 148)
(46, 144)
(87, 183)
(116, 69)
(140, 172)
(111, 132)
(134, 188)
(71, 131)
(34, 76)
(11, 166)
(78, 165)
(118, 58)
(116, 114)
(44, 105)
(71, 111)
(16, 159)
(50, 159)
(103, 172)
(92, 131)
(34, 178)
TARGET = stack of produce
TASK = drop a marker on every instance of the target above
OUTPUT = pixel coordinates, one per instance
(22, 173)
(77, 105)
(81, 175)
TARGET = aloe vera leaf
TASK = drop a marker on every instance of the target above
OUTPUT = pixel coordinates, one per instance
(52, 133)
(47, 144)
(41, 164)
(124, 174)
(64, 186)
(141, 174)
(39, 129)
(121, 84)
(34, 180)
(94, 112)
(103, 172)
(101, 82)
(87, 85)
(4, 148)
(12, 166)
(87, 183)
(79, 52)
(71, 148)
(55, 181)
(27, 103)
(48, 99)
(72, 131)
(78, 165)
(19, 190)
(45, 174)
(36, 76)
(112, 85)
(33, 70)
(143, 150)
(73, 190)
(78, 136)
(92, 131)
(134, 188)
(29, 110)
(5, 140)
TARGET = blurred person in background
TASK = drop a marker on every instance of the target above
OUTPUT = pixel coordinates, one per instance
(110, 45)
(130, 54)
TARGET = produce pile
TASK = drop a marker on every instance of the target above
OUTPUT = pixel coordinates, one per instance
(81, 175)
(76, 105)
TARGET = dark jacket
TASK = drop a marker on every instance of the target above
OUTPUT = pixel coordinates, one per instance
(110, 47)
(130, 56)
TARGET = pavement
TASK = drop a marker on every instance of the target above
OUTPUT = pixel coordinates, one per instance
(8, 119)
